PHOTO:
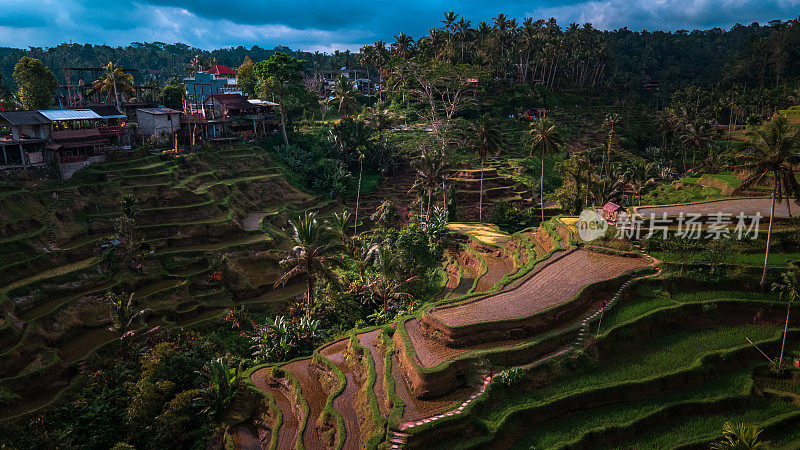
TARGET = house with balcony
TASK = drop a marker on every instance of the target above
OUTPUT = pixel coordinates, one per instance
(247, 118)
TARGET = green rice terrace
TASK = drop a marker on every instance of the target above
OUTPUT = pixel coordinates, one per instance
(503, 234)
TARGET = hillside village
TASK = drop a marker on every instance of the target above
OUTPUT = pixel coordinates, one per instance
(515, 234)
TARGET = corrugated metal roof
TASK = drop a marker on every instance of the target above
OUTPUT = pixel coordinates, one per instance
(24, 117)
(107, 111)
(69, 114)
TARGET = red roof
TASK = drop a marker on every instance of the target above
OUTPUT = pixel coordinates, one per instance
(221, 70)
(611, 207)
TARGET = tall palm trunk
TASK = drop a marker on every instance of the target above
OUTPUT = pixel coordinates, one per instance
(788, 206)
(763, 282)
(310, 292)
(785, 329)
(358, 194)
(430, 199)
(480, 198)
(283, 123)
(541, 186)
(116, 95)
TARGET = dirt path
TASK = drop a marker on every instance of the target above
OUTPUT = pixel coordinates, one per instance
(367, 340)
(287, 434)
(552, 285)
(346, 401)
(748, 206)
(307, 375)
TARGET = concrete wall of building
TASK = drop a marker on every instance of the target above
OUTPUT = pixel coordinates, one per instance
(158, 124)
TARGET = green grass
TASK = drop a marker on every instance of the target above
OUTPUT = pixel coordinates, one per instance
(556, 433)
(690, 192)
(698, 428)
(735, 258)
(660, 355)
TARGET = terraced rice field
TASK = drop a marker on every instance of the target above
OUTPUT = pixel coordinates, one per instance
(552, 285)
(748, 206)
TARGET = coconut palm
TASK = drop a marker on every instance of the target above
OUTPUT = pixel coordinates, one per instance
(546, 140)
(789, 291)
(402, 45)
(696, 136)
(772, 150)
(114, 82)
(316, 253)
(487, 139)
(611, 120)
(340, 222)
(431, 174)
(739, 436)
(640, 177)
(346, 95)
(386, 281)
(377, 117)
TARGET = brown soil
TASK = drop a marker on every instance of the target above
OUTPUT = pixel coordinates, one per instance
(345, 402)
(368, 341)
(244, 439)
(554, 284)
(417, 409)
(307, 376)
(287, 433)
(748, 206)
(432, 352)
(498, 264)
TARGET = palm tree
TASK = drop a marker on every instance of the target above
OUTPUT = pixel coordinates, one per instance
(113, 82)
(696, 136)
(611, 120)
(789, 290)
(739, 436)
(546, 140)
(640, 177)
(386, 283)
(340, 222)
(346, 95)
(486, 139)
(431, 173)
(772, 150)
(402, 45)
(378, 117)
(316, 253)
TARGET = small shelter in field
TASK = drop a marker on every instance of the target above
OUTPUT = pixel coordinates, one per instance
(611, 210)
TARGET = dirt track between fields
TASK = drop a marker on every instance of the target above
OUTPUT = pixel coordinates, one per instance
(554, 284)
(748, 206)
(345, 402)
(498, 264)
(287, 434)
(368, 340)
(313, 392)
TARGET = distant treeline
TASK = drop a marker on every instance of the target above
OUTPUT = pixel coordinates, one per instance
(564, 57)
(169, 60)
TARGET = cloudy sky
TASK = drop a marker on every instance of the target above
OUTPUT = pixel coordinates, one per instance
(346, 24)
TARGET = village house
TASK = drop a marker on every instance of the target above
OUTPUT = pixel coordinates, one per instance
(217, 80)
(25, 145)
(242, 116)
(162, 122)
(78, 137)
